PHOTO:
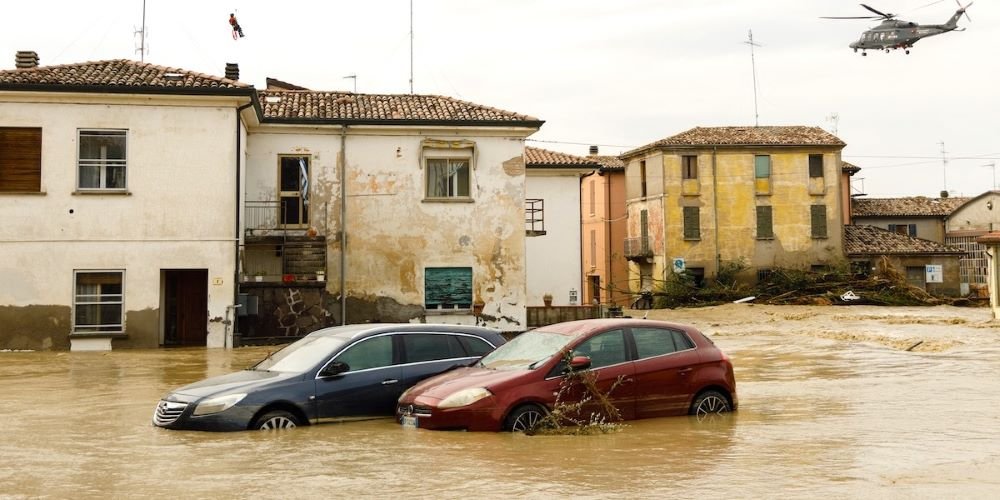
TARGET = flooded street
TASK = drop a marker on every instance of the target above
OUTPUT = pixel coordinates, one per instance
(832, 404)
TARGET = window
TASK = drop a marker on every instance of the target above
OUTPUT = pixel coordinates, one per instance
(765, 224)
(692, 223)
(763, 275)
(818, 216)
(593, 247)
(98, 302)
(475, 346)
(689, 167)
(651, 342)
(697, 274)
(373, 352)
(102, 159)
(593, 197)
(595, 289)
(642, 178)
(815, 165)
(604, 349)
(293, 190)
(762, 166)
(431, 347)
(904, 229)
(448, 288)
(20, 160)
(447, 178)
(644, 231)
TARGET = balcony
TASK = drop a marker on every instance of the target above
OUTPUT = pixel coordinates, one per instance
(288, 260)
(638, 248)
(534, 217)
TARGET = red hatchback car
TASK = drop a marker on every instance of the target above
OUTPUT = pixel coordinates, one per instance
(666, 369)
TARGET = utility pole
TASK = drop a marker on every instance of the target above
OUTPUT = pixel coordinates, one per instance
(753, 65)
(944, 170)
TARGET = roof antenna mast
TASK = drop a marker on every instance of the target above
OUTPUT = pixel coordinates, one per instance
(411, 46)
(142, 50)
(944, 170)
(753, 65)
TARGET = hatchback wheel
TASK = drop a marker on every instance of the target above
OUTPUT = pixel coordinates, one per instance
(710, 403)
(524, 418)
(278, 419)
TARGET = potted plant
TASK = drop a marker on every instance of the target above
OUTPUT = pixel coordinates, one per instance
(547, 299)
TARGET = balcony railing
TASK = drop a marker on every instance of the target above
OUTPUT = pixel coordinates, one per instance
(637, 248)
(284, 261)
(534, 217)
(262, 216)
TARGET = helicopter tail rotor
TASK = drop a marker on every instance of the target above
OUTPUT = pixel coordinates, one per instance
(962, 9)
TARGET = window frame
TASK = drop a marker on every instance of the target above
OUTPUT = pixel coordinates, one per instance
(394, 354)
(14, 170)
(816, 169)
(689, 167)
(642, 179)
(102, 163)
(95, 329)
(818, 231)
(448, 159)
(769, 211)
(757, 167)
(303, 201)
(408, 338)
(691, 232)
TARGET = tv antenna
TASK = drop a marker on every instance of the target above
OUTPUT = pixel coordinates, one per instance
(994, 167)
(411, 46)
(835, 119)
(355, 78)
(753, 65)
(944, 170)
(142, 49)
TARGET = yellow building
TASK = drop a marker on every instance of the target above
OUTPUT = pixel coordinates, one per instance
(767, 196)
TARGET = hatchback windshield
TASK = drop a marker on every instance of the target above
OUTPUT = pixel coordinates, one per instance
(301, 355)
(525, 351)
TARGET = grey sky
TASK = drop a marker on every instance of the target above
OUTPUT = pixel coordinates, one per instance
(620, 74)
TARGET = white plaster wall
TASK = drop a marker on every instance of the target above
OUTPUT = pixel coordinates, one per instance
(554, 259)
(392, 233)
(179, 213)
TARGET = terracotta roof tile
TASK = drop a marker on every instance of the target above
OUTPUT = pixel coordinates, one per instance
(613, 163)
(914, 206)
(536, 158)
(747, 136)
(989, 238)
(871, 240)
(113, 73)
(849, 168)
(314, 105)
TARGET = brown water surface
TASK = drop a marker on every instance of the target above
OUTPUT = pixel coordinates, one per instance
(832, 405)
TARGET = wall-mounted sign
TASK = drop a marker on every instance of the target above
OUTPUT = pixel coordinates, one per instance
(679, 265)
(935, 273)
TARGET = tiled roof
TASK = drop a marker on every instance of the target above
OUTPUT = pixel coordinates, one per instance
(849, 168)
(989, 238)
(607, 162)
(914, 206)
(871, 240)
(311, 105)
(747, 136)
(115, 73)
(535, 157)
(275, 84)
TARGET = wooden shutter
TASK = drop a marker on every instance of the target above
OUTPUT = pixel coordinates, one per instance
(815, 165)
(20, 159)
(644, 231)
(818, 213)
(692, 228)
(765, 226)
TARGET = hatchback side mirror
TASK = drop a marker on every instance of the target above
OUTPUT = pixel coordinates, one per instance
(334, 369)
(579, 363)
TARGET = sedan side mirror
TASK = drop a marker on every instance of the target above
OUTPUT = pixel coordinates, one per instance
(579, 363)
(334, 369)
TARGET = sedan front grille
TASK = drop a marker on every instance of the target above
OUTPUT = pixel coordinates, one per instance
(415, 410)
(167, 412)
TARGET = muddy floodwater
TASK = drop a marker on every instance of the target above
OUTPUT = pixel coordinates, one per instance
(835, 402)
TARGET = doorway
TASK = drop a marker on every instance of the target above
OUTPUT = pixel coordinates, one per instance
(185, 306)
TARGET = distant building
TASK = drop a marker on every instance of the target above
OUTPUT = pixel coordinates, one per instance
(605, 227)
(976, 217)
(928, 265)
(916, 216)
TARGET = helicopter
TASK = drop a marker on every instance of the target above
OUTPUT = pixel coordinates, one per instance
(894, 34)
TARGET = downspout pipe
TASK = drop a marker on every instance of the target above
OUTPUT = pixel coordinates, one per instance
(343, 225)
(227, 341)
(715, 209)
(608, 216)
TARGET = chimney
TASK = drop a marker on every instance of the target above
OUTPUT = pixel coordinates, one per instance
(26, 59)
(944, 193)
(593, 150)
(233, 71)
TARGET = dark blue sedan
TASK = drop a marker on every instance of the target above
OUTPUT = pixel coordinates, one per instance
(334, 374)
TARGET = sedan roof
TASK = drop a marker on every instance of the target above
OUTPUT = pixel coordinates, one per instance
(349, 332)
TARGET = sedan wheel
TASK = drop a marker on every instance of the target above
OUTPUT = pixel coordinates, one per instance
(275, 420)
(525, 418)
(710, 403)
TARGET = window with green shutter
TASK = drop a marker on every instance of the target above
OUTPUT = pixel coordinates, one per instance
(818, 215)
(762, 166)
(692, 226)
(765, 226)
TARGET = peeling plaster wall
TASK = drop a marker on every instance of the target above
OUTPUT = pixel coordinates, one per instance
(393, 234)
(554, 259)
(178, 214)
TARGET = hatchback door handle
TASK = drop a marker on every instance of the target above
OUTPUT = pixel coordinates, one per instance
(684, 371)
(389, 381)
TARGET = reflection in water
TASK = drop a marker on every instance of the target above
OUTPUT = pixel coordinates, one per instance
(817, 418)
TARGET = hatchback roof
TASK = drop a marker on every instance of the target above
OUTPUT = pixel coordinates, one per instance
(585, 326)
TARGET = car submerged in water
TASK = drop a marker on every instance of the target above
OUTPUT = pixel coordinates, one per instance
(646, 368)
(334, 374)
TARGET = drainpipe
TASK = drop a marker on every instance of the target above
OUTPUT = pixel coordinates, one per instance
(227, 341)
(715, 209)
(607, 238)
(579, 203)
(343, 225)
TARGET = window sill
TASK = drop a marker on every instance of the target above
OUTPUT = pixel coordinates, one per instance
(820, 237)
(23, 193)
(447, 312)
(100, 335)
(448, 200)
(765, 238)
(692, 239)
(106, 192)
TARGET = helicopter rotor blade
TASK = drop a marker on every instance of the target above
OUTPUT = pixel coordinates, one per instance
(850, 17)
(883, 14)
(963, 8)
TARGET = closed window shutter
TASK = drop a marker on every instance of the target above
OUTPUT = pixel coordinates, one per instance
(818, 213)
(644, 231)
(692, 231)
(765, 226)
(815, 165)
(20, 159)
(913, 230)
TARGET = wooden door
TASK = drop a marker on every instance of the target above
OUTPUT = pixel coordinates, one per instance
(186, 303)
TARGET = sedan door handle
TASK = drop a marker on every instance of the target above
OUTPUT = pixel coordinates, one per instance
(389, 381)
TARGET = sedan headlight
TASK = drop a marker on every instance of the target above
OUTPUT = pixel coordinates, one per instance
(465, 397)
(217, 404)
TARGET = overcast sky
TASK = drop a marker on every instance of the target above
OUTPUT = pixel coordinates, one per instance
(619, 74)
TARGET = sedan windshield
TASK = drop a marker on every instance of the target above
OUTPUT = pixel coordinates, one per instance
(301, 355)
(526, 351)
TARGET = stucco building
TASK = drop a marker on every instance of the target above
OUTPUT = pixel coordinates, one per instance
(926, 264)
(768, 196)
(605, 227)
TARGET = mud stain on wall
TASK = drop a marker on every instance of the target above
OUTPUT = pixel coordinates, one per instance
(143, 329)
(381, 309)
(35, 327)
